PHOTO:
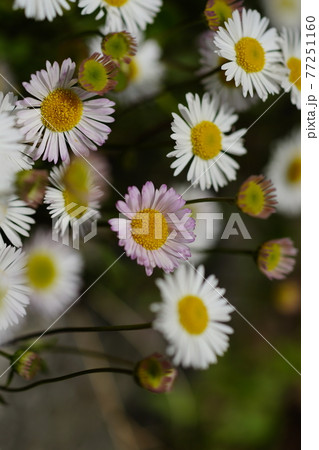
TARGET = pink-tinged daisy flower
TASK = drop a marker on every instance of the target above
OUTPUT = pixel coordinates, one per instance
(129, 15)
(219, 11)
(192, 317)
(27, 364)
(120, 46)
(275, 258)
(96, 74)
(156, 228)
(256, 197)
(42, 9)
(14, 293)
(62, 116)
(253, 54)
(155, 373)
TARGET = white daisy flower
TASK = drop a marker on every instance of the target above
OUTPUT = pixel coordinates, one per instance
(129, 15)
(201, 138)
(42, 9)
(13, 153)
(143, 75)
(14, 293)
(216, 82)
(62, 114)
(284, 170)
(291, 49)
(15, 219)
(53, 274)
(191, 317)
(283, 13)
(74, 199)
(253, 53)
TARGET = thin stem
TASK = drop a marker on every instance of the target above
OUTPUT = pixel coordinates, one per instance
(5, 354)
(139, 326)
(211, 199)
(239, 251)
(87, 352)
(67, 377)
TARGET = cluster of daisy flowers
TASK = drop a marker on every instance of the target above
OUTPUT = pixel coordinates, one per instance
(64, 120)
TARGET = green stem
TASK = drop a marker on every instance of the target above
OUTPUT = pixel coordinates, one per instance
(67, 377)
(211, 199)
(5, 354)
(87, 352)
(38, 334)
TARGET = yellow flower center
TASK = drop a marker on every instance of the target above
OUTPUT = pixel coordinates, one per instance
(294, 171)
(133, 70)
(193, 315)
(274, 255)
(116, 3)
(206, 140)
(41, 270)
(149, 229)
(77, 187)
(294, 65)
(222, 11)
(250, 55)
(150, 373)
(252, 199)
(61, 110)
(94, 77)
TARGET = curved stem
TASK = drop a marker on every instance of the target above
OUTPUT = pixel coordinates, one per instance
(5, 354)
(211, 199)
(38, 334)
(67, 377)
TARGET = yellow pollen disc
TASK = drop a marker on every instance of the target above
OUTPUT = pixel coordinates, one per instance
(193, 315)
(273, 257)
(206, 140)
(294, 65)
(41, 270)
(294, 170)
(133, 70)
(77, 188)
(250, 55)
(222, 11)
(149, 229)
(116, 3)
(61, 110)
(252, 199)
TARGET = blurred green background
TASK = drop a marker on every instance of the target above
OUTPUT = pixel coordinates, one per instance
(250, 400)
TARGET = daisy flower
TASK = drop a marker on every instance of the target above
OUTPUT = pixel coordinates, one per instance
(129, 15)
(253, 54)
(290, 45)
(216, 82)
(96, 74)
(42, 9)
(14, 293)
(74, 199)
(142, 77)
(191, 317)
(62, 114)
(285, 13)
(53, 274)
(218, 11)
(275, 258)
(284, 169)
(156, 229)
(200, 138)
(256, 197)
(15, 219)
